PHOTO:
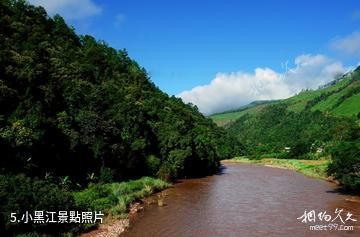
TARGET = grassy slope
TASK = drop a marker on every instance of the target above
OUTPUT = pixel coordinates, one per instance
(311, 168)
(330, 103)
(297, 103)
(349, 107)
(226, 117)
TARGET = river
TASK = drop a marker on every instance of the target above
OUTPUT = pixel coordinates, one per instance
(248, 200)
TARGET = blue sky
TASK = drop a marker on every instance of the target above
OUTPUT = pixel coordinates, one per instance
(201, 49)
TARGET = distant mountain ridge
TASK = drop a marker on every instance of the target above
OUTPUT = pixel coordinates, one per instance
(341, 97)
(247, 106)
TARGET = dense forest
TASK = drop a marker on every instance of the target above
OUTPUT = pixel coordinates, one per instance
(275, 128)
(74, 110)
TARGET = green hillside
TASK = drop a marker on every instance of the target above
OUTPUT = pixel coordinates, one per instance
(336, 98)
(340, 98)
(230, 116)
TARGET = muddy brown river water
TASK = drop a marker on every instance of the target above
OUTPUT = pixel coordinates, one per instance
(249, 200)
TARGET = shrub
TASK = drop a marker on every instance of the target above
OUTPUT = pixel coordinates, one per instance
(106, 175)
(152, 165)
(168, 171)
(19, 194)
(299, 149)
(345, 165)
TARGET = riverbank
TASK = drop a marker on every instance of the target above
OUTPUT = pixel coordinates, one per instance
(311, 168)
(118, 201)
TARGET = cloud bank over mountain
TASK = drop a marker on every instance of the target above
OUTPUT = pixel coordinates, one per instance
(232, 90)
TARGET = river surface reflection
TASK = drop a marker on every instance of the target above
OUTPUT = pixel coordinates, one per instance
(245, 200)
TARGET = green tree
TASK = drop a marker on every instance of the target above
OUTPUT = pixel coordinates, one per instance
(345, 165)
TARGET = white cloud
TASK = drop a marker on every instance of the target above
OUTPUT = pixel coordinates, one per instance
(232, 90)
(69, 9)
(119, 19)
(349, 44)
